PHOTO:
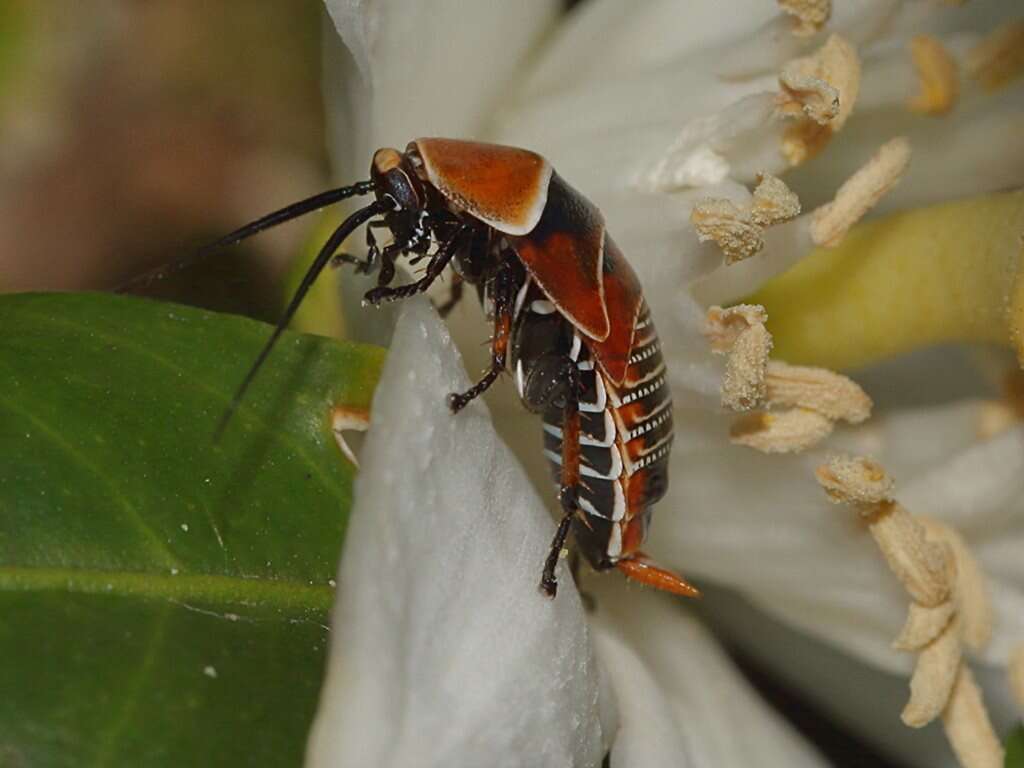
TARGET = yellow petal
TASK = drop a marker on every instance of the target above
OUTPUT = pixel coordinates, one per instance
(949, 272)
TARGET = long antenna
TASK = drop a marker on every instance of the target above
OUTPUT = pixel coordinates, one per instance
(293, 211)
(321, 261)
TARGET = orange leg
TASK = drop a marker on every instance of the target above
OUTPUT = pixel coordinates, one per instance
(567, 494)
(504, 297)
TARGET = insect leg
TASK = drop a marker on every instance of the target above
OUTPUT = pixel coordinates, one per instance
(363, 266)
(453, 297)
(436, 266)
(568, 493)
(503, 291)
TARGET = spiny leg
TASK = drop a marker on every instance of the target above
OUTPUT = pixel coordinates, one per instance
(436, 266)
(569, 491)
(503, 293)
(373, 254)
(454, 296)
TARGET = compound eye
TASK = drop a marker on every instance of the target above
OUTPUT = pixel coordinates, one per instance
(399, 186)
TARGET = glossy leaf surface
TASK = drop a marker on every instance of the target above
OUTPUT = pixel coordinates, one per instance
(165, 595)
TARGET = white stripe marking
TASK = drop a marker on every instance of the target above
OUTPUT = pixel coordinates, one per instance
(615, 542)
(619, 511)
(587, 507)
(656, 372)
(542, 307)
(521, 297)
(645, 352)
(588, 471)
(585, 439)
(640, 394)
(647, 426)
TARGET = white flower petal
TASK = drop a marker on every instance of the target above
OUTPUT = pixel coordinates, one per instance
(859, 697)
(436, 68)
(682, 702)
(443, 652)
(636, 36)
(974, 150)
(815, 566)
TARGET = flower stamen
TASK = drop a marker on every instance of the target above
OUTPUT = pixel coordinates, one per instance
(860, 193)
(938, 86)
(950, 606)
(809, 16)
(819, 91)
(999, 58)
(738, 231)
(833, 395)
(807, 401)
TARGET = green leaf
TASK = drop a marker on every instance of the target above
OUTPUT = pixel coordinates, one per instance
(1015, 748)
(164, 596)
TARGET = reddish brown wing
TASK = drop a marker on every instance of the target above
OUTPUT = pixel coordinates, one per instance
(583, 272)
(623, 298)
(504, 187)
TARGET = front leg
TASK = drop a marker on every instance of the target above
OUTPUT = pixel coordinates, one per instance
(454, 296)
(503, 292)
(373, 255)
(568, 494)
(436, 266)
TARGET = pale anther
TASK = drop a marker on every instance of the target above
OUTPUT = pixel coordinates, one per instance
(971, 594)
(923, 625)
(999, 58)
(830, 394)
(949, 609)
(855, 480)
(789, 431)
(934, 675)
(808, 94)
(724, 326)
(819, 90)
(729, 226)
(807, 401)
(736, 230)
(809, 16)
(860, 193)
(743, 385)
(937, 77)
(773, 202)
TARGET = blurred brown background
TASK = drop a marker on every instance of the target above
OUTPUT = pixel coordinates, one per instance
(132, 130)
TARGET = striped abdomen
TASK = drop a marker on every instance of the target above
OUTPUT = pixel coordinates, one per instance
(626, 437)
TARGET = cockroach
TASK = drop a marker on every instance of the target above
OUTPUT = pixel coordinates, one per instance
(570, 323)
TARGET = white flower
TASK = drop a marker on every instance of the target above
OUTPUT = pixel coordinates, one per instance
(648, 110)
